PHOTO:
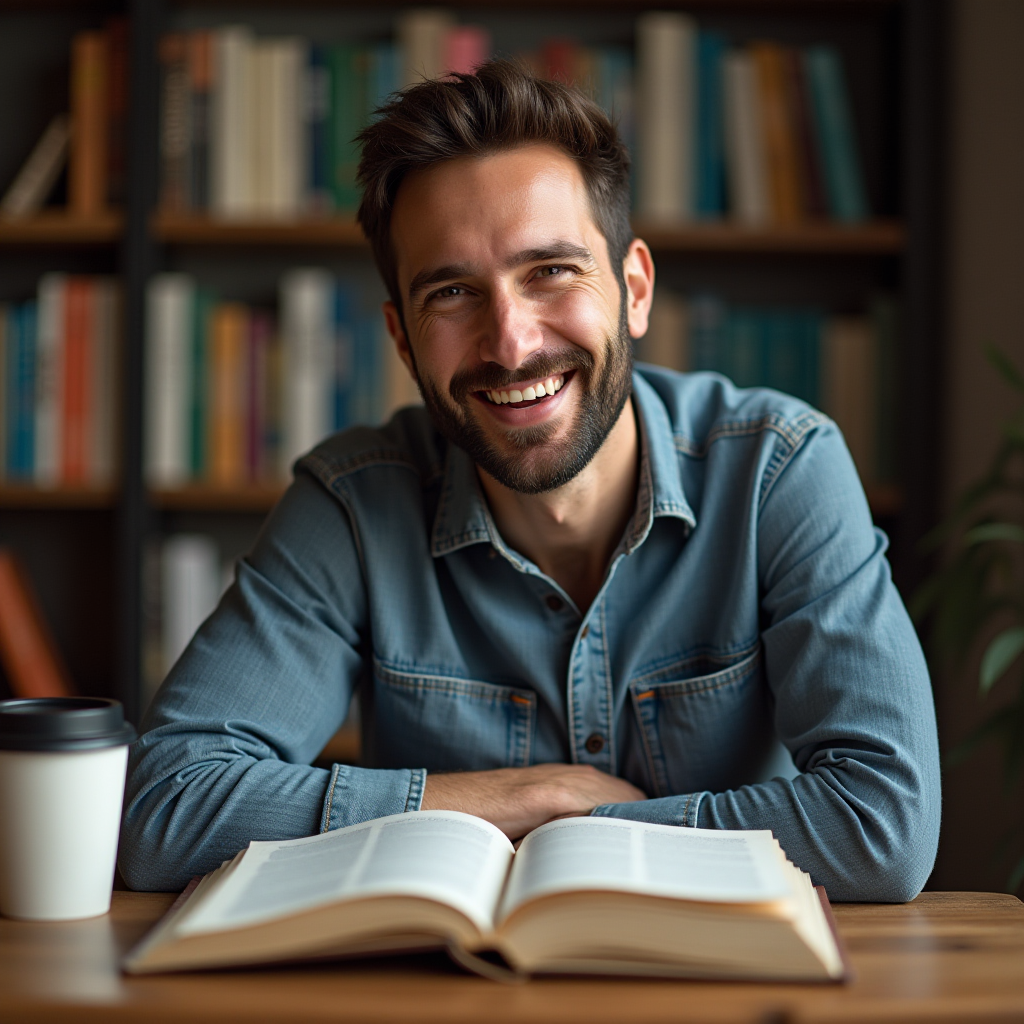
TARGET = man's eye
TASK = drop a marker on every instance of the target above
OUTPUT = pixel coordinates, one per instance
(452, 291)
(553, 271)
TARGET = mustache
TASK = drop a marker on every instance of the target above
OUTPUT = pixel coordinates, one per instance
(494, 377)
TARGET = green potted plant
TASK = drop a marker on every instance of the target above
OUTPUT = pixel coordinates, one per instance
(978, 593)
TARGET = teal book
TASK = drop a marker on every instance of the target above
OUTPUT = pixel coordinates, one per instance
(198, 391)
(744, 362)
(708, 324)
(319, 156)
(344, 343)
(384, 77)
(884, 313)
(22, 434)
(784, 351)
(367, 367)
(709, 151)
(834, 133)
(349, 79)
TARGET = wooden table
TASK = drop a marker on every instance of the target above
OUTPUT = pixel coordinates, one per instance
(946, 957)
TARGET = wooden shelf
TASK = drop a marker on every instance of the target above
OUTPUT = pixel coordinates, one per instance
(879, 237)
(29, 496)
(207, 498)
(57, 227)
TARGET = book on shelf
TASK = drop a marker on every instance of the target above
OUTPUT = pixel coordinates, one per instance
(31, 661)
(234, 394)
(35, 181)
(58, 401)
(842, 364)
(579, 896)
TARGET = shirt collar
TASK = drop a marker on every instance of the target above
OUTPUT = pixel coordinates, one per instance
(463, 517)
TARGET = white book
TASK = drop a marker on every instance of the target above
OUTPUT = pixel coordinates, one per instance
(50, 351)
(666, 342)
(39, 173)
(288, 117)
(746, 161)
(170, 300)
(421, 33)
(849, 386)
(190, 588)
(263, 112)
(103, 384)
(307, 337)
(231, 144)
(666, 121)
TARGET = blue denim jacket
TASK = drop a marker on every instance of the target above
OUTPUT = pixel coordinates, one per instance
(748, 662)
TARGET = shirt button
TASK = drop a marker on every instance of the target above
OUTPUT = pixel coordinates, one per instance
(554, 602)
(595, 743)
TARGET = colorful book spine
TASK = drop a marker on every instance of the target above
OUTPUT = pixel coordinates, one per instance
(21, 465)
(76, 411)
(199, 427)
(348, 111)
(200, 72)
(175, 123)
(709, 173)
(227, 458)
(50, 349)
(87, 168)
(833, 122)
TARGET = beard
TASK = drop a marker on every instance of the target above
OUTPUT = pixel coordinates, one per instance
(530, 460)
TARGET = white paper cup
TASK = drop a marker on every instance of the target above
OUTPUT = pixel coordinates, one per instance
(62, 772)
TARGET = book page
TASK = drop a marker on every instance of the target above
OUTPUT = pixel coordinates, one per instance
(661, 860)
(447, 856)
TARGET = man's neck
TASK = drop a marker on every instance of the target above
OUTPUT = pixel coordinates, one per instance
(572, 532)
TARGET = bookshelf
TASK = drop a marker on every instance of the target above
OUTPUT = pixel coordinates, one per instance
(896, 48)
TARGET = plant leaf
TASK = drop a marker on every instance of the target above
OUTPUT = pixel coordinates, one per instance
(999, 655)
(1005, 368)
(995, 531)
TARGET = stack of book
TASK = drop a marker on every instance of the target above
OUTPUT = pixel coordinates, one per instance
(235, 393)
(761, 133)
(90, 140)
(58, 394)
(844, 365)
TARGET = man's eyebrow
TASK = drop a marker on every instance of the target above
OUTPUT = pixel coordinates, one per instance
(555, 251)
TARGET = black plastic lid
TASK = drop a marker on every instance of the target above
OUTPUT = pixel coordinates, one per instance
(63, 723)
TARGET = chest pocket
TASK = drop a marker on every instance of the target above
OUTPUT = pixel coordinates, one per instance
(444, 723)
(709, 732)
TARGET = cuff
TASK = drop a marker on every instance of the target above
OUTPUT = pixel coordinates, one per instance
(360, 794)
(666, 810)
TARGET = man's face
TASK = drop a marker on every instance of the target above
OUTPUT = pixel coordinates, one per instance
(515, 323)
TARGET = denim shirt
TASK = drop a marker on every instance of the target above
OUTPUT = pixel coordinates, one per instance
(747, 663)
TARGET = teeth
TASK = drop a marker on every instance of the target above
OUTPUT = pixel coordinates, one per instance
(528, 394)
(515, 396)
(540, 391)
(505, 399)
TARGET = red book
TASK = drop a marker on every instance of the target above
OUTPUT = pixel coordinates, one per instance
(117, 109)
(27, 652)
(559, 59)
(75, 401)
(466, 47)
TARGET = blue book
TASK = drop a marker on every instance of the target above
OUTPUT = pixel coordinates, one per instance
(834, 133)
(791, 347)
(385, 76)
(367, 368)
(709, 152)
(745, 357)
(810, 360)
(21, 465)
(341, 381)
(318, 86)
(708, 322)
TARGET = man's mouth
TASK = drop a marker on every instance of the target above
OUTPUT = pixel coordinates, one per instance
(528, 392)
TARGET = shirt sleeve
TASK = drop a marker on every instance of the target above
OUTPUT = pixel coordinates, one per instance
(226, 745)
(852, 696)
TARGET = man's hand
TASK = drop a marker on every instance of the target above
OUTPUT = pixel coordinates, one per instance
(518, 800)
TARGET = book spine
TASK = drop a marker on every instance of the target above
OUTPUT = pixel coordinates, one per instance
(746, 163)
(779, 135)
(87, 168)
(834, 129)
(849, 386)
(466, 47)
(885, 321)
(421, 35)
(744, 362)
(170, 302)
(28, 653)
(232, 149)
(39, 173)
(50, 351)
(348, 75)
(22, 463)
(190, 586)
(117, 110)
(291, 174)
(200, 65)
(665, 343)
(5, 377)
(175, 127)
(320, 198)
(227, 389)
(74, 420)
(709, 173)
(559, 58)
(102, 384)
(198, 397)
(260, 330)
(708, 320)
(812, 181)
(265, 114)
(665, 130)
(344, 359)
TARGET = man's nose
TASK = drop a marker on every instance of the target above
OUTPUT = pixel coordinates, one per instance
(513, 333)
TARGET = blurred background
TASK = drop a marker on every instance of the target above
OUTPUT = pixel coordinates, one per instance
(831, 188)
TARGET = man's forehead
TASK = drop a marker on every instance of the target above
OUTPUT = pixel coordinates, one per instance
(484, 209)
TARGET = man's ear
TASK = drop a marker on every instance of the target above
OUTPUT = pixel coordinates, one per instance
(394, 325)
(638, 273)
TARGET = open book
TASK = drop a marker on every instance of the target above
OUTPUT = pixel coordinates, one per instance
(581, 895)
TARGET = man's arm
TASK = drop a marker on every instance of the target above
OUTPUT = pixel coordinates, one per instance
(853, 701)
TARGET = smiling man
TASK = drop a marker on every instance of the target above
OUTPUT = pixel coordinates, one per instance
(565, 586)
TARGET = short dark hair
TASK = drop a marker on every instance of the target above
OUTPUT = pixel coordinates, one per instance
(500, 106)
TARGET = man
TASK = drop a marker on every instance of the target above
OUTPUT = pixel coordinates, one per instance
(564, 587)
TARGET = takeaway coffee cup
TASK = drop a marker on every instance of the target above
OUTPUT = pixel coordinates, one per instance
(62, 770)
